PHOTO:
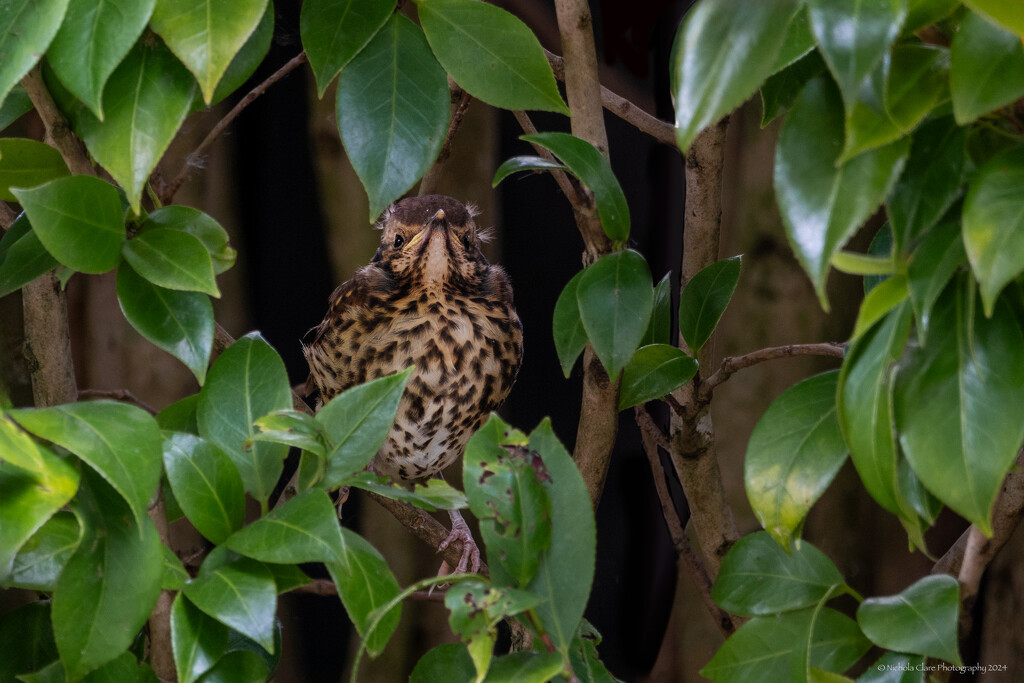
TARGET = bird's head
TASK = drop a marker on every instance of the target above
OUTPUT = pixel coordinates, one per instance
(430, 240)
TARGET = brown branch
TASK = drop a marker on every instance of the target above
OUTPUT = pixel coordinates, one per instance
(161, 657)
(167, 191)
(662, 131)
(460, 104)
(569, 188)
(7, 216)
(653, 438)
(122, 395)
(733, 364)
(58, 131)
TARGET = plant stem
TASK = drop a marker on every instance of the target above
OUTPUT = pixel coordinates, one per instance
(732, 364)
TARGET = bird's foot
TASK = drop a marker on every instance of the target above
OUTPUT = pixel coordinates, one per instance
(470, 559)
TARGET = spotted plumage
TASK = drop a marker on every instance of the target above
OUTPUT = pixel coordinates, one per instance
(428, 299)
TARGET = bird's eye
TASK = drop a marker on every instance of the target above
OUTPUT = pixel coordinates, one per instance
(399, 241)
(467, 241)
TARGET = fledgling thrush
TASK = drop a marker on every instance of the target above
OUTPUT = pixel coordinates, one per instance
(428, 299)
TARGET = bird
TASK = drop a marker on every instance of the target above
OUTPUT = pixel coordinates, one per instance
(430, 300)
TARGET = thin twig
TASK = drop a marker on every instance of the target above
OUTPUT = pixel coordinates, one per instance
(662, 131)
(460, 103)
(167, 192)
(571, 190)
(58, 131)
(732, 364)
(123, 395)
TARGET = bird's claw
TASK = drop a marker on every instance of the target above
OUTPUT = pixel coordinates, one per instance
(470, 559)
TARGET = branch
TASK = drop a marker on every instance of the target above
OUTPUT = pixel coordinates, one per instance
(167, 190)
(570, 189)
(123, 395)
(58, 131)
(161, 657)
(662, 131)
(732, 364)
(460, 103)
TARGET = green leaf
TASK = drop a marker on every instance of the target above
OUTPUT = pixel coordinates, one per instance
(26, 639)
(247, 59)
(28, 499)
(654, 371)
(988, 68)
(584, 658)
(1008, 15)
(931, 182)
(434, 494)
(660, 327)
(144, 103)
(174, 574)
(491, 54)
(793, 454)
(292, 428)
(880, 251)
(615, 298)
(799, 41)
(525, 667)
(109, 585)
(448, 662)
(206, 35)
(393, 108)
(305, 529)
(573, 542)
(854, 39)
(822, 205)
(781, 89)
(26, 29)
(895, 667)
(18, 448)
(180, 416)
(287, 577)
(122, 669)
(172, 259)
(958, 443)
(180, 323)
(241, 595)
(198, 224)
(567, 326)
(723, 51)
(238, 666)
(42, 557)
(937, 258)
(357, 422)
(921, 620)
(247, 381)
(118, 440)
(759, 577)
(921, 13)
(882, 298)
(14, 106)
(475, 608)
(334, 31)
(27, 163)
(704, 299)
(23, 257)
(588, 164)
(506, 494)
(206, 485)
(764, 648)
(364, 584)
(94, 38)
(524, 163)
(79, 220)
(993, 224)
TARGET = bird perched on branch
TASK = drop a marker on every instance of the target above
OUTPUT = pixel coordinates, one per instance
(428, 299)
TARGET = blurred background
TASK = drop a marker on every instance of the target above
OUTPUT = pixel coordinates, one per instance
(280, 183)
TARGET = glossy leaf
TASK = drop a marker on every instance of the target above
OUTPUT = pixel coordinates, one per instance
(393, 108)
(1009, 15)
(26, 29)
(334, 31)
(567, 326)
(206, 485)
(993, 224)
(198, 224)
(180, 323)
(247, 382)
(27, 163)
(524, 163)
(94, 38)
(723, 51)
(895, 667)
(205, 35)
(949, 396)
(18, 448)
(433, 494)
(615, 298)
(573, 542)
(758, 576)
(198, 640)
(365, 584)
(930, 183)
(507, 495)
(882, 298)
(174, 573)
(764, 648)
(588, 164)
(248, 58)
(42, 557)
(118, 440)
(172, 259)
(704, 299)
(23, 257)
(819, 218)
(988, 68)
(305, 529)
(240, 595)
(659, 328)
(921, 13)
(180, 416)
(357, 422)
(237, 666)
(144, 103)
(793, 454)
(26, 639)
(853, 39)
(798, 43)
(920, 620)
(654, 371)
(491, 54)
(14, 106)
(525, 667)
(292, 428)
(781, 89)
(447, 662)
(109, 585)
(79, 220)
(937, 258)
